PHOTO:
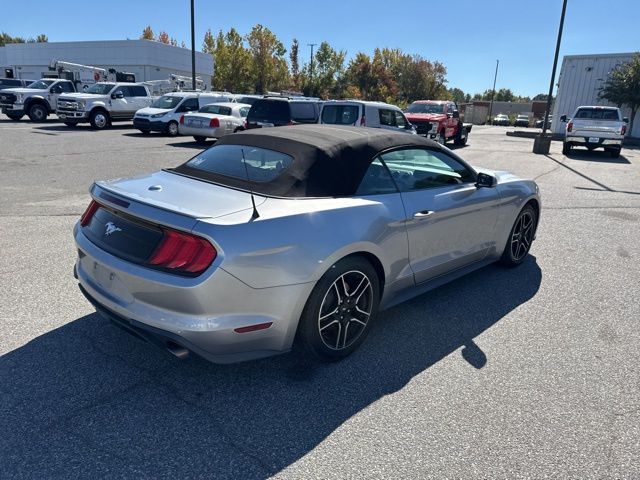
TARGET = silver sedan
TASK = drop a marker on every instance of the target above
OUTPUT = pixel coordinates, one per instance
(214, 121)
(293, 234)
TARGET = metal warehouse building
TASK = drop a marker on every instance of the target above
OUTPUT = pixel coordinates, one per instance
(580, 80)
(148, 60)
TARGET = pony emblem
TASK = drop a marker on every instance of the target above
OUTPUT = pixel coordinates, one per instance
(110, 228)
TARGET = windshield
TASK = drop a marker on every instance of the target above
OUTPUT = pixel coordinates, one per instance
(41, 84)
(100, 88)
(425, 108)
(242, 162)
(167, 101)
(217, 109)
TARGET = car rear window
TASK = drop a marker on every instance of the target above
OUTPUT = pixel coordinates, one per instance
(340, 114)
(273, 111)
(217, 109)
(304, 112)
(242, 162)
(597, 114)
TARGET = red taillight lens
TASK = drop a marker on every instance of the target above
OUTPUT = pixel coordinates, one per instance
(184, 252)
(214, 123)
(363, 121)
(181, 119)
(569, 126)
(624, 130)
(88, 213)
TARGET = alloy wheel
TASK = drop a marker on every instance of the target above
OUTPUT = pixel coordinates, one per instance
(100, 120)
(522, 235)
(345, 310)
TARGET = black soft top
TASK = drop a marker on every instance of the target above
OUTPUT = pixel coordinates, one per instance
(328, 160)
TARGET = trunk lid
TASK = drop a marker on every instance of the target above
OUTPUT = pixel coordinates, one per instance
(177, 193)
(610, 127)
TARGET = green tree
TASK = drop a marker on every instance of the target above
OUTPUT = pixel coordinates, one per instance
(209, 43)
(5, 39)
(622, 86)
(42, 38)
(327, 72)
(270, 69)
(147, 33)
(232, 61)
(504, 95)
(457, 95)
(294, 58)
(369, 79)
(541, 97)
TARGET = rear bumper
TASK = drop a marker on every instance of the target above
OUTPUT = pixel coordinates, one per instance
(199, 314)
(584, 141)
(201, 132)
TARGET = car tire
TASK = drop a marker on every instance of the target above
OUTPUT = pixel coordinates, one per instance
(200, 140)
(566, 148)
(614, 152)
(238, 129)
(172, 129)
(15, 118)
(345, 299)
(37, 112)
(441, 138)
(461, 138)
(520, 237)
(99, 119)
(71, 124)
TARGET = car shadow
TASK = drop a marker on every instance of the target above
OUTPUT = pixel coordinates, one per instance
(87, 398)
(83, 127)
(596, 156)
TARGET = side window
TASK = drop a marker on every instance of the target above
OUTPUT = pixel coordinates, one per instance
(138, 91)
(387, 118)
(418, 169)
(56, 88)
(401, 122)
(376, 180)
(67, 87)
(124, 90)
(189, 105)
(244, 111)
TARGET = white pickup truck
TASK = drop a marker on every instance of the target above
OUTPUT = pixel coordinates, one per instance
(595, 127)
(37, 100)
(103, 103)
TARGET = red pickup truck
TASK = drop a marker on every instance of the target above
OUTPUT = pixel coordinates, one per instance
(439, 120)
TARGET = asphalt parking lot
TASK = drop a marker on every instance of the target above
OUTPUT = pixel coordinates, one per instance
(508, 373)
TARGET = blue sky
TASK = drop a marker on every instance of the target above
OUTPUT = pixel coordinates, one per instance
(467, 36)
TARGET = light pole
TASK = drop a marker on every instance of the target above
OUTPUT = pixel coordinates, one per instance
(311, 66)
(193, 49)
(542, 143)
(493, 90)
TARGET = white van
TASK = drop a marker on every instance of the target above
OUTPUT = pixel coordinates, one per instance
(164, 113)
(361, 113)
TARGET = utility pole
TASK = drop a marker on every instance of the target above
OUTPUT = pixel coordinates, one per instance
(542, 143)
(311, 64)
(193, 49)
(493, 91)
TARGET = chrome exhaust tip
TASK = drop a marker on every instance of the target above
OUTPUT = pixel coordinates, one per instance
(177, 350)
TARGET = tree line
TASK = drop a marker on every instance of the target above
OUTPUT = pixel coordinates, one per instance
(5, 39)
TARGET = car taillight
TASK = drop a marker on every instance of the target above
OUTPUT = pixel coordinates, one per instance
(88, 213)
(623, 130)
(569, 126)
(244, 125)
(181, 119)
(214, 123)
(183, 252)
(363, 121)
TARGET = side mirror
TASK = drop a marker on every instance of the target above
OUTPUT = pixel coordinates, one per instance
(456, 114)
(449, 114)
(563, 118)
(486, 180)
(117, 94)
(625, 119)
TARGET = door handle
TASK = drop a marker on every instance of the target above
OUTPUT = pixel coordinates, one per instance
(423, 214)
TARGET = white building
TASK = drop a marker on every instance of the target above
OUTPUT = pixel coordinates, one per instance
(148, 60)
(581, 77)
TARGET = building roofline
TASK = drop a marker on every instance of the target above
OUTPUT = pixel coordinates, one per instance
(597, 55)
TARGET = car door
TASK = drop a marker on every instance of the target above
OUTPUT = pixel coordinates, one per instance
(56, 90)
(450, 222)
(140, 98)
(387, 119)
(120, 107)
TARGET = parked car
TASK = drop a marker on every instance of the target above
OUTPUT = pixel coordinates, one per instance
(540, 122)
(37, 100)
(521, 121)
(14, 83)
(103, 103)
(214, 120)
(501, 119)
(279, 111)
(365, 114)
(438, 120)
(301, 233)
(595, 127)
(165, 112)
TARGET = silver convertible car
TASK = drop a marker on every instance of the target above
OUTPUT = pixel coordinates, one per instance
(293, 235)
